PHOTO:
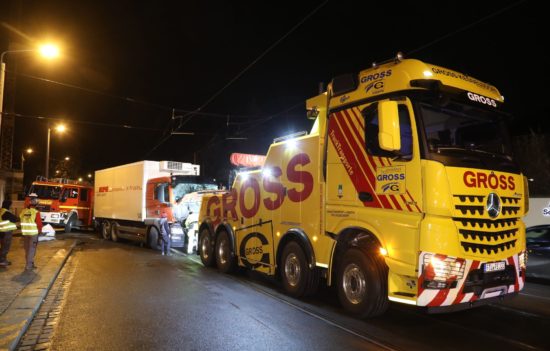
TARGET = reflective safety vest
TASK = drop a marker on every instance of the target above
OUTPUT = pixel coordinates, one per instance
(28, 225)
(6, 226)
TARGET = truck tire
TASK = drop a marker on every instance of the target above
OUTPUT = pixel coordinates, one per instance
(362, 283)
(114, 232)
(205, 248)
(297, 278)
(225, 257)
(153, 238)
(71, 222)
(106, 230)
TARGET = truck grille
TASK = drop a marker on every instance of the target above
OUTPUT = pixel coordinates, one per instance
(478, 234)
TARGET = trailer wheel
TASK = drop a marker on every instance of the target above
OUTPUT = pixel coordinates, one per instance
(298, 279)
(206, 250)
(362, 283)
(153, 238)
(106, 230)
(69, 225)
(225, 257)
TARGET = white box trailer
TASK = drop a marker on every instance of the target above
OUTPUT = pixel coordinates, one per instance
(129, 199)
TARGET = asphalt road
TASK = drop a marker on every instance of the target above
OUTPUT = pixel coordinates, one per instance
(124, 297)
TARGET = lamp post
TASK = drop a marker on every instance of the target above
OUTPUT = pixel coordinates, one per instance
(48, 51)
(60, 128)
(29, 151)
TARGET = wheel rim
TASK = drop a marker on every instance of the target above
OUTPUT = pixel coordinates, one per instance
(293, 270)
(106, 230)
(222, 251)
(205, 246)
(354, 284)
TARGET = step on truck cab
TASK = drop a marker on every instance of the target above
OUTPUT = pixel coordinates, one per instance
(405, 190)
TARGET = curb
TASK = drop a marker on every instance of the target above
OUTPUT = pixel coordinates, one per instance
(18, 316)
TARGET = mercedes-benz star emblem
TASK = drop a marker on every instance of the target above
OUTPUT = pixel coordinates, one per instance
(493, 205)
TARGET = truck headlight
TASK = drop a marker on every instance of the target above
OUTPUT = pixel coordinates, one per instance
(522, 258)
(441, 271)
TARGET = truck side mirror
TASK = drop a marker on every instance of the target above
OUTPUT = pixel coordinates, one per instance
(389, 137)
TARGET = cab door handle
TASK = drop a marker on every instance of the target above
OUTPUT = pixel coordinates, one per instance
(365, 196)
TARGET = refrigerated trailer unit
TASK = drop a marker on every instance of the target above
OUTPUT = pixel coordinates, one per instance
(131, 198)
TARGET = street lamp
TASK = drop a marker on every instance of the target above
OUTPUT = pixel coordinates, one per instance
(29, 151)
(67, 158)
(60, 128)
(48, 51)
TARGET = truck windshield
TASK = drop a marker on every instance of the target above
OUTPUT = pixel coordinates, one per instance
(46, 191)
(463, 135)
(458, 126)
(181, 189)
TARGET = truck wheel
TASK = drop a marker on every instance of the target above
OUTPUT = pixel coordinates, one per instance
(225, 257)
(114, 232)
(362, 283)
(153, 238)
(206, 251)
(106, 230)
(69, 225)
(298, 279)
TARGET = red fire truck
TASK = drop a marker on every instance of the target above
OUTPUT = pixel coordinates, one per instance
(63, 203)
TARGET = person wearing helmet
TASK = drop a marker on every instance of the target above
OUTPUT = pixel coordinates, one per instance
(31, 226)
(7, 226)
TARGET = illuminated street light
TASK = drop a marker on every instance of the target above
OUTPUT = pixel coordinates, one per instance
(67, 158)
(29, 151)
(59, 128)
(89, 175)
(80, 179)
(48, 51)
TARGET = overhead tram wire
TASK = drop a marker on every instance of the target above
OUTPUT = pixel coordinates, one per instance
(110, 125)
(187, 117)
(128, 99)
(468, 26)
(212, 142)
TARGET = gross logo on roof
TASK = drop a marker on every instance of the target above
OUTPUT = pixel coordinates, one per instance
(376, 76)
(482, 99)
(378, 85)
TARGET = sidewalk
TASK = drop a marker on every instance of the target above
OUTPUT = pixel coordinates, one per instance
(22, 292)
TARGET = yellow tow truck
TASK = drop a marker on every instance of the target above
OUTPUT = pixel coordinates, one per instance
(404, 190)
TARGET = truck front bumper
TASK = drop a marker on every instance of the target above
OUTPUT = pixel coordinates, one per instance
(53, 218)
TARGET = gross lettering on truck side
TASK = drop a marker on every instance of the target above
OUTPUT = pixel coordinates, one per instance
(404, 190)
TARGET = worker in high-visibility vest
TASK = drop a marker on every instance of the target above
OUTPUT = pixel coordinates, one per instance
(7, 226)
(31, 226)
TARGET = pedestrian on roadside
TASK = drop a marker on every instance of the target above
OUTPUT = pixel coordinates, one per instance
(31, 226)
(7, 226)
(164, 235)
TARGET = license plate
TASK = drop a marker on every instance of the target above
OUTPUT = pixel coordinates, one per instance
(494, 266)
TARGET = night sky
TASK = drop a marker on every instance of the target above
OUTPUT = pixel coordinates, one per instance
(129, 63)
